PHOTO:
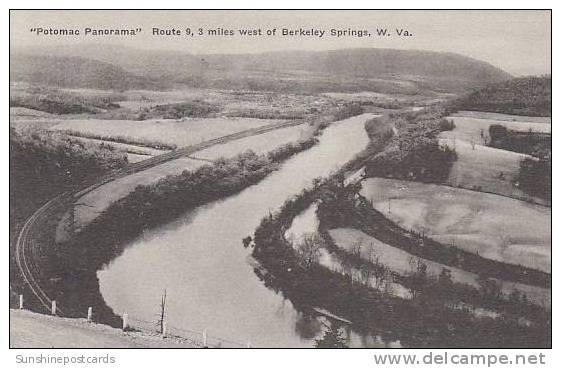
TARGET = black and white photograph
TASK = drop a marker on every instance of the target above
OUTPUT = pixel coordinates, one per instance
(247, 179)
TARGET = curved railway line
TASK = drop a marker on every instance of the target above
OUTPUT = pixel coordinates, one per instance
(29, 240)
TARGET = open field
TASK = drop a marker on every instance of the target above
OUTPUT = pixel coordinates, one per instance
(172, 132)
(477, 130)
(306, 224)
(259, 143)
(124, 147)
(502, 117)
(495, 227)
(98, 200)
(486, 169)
(398, 261)
(103, 196)
(23, 122)
(24, 112)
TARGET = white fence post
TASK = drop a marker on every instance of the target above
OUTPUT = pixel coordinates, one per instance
(125, 321)
(90, 314)
(53, 307)
(21, 301)
(204, 338)
(164, 329)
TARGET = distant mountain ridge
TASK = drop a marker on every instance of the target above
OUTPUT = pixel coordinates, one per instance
(326, 70)
(74, 72)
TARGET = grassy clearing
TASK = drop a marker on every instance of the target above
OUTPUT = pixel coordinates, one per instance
(103, 196)
(24, 112)
(134, 153)
(492, 226)
(486, 169)
(167, 132)
(261, 143)
(141, 142)
(306, 280)
(400, 262)
(475, 130)
(502, 117)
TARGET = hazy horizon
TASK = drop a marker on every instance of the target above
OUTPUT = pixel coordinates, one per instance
(516, 41)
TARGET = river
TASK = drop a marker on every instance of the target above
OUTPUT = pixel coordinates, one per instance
(201, 263)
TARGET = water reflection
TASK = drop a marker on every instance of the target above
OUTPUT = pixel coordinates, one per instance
(204, 267)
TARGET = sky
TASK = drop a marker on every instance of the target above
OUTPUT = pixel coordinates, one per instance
(518, 42)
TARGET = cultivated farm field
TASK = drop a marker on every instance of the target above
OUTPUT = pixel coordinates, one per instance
(259, 144)
(476, 130)
(495, 227)
(171, 132)
(99, 199)
(486, 169)
(502, 117)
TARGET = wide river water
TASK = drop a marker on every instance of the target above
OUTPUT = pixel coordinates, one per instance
(201, 263)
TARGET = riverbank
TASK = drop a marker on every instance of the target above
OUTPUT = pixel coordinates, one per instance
(147, 207)
(296, 271)
(426, 320)
(208, 274)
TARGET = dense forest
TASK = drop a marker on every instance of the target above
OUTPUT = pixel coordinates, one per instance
(190, 109)
(413, 151)
(534, 176)
(530, 143)
(520, 96)
(44, 164)
(294, 269)
(56, 101)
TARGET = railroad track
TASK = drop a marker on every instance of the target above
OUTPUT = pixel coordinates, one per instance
(28, 243)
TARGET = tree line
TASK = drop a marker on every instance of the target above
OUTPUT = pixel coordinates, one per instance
(426, 320)
(529, 96)
(534, 176)
(413, 151)
(43, 164)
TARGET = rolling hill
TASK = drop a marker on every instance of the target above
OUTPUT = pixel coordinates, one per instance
(74, 72)
(380, 70)
(520, 96)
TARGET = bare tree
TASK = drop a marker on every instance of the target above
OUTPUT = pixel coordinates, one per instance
(418, 277)
(382, 274)
(309, 250)
(162, 315)
(356, 247)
